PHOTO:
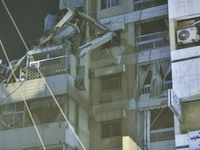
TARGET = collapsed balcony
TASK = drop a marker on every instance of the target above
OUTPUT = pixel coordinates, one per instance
(48, 67)
(142, 4)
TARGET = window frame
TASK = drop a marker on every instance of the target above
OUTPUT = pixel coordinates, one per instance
(111, 132)
(109, 4)
(112, 81)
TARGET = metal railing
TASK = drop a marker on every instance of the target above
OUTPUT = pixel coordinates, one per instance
(162, 134)
(147, 88)
(48, 67)
(142, 4)
(152, 41)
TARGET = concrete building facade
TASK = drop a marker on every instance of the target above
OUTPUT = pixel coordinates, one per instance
(114, 86)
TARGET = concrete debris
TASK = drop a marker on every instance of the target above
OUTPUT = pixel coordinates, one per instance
(68, 32)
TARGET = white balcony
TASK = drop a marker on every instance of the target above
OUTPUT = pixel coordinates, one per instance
(36, 88)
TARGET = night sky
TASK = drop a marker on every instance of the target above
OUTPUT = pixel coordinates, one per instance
(29, 16)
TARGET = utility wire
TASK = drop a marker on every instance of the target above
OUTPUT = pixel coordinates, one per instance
(44, 78)
(27, 107)
(152, 123)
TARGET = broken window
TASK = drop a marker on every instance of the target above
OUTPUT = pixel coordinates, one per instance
(109, 3)
(11, 116)
(114, 42)
(111, 82)
(142, 4)
(162, 128)
(111, 128)
(154, 77)
(46, 110)
(152, 34)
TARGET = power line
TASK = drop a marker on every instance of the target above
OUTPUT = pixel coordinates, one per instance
(153, 122)
(44, 78)
(11, 93)
(27, 107)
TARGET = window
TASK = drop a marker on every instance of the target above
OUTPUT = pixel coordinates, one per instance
(152, 34)
(142, 4)
(162, 128)
(114, 42)
(111, 82)
(11, 116)
(154, 77)
(109, 3)
(111, 128)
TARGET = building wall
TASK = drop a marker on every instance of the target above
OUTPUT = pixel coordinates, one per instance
(128, 129)
(124, 7)
(191, 116)
(20, 138)
(183, 8)
(164, 145)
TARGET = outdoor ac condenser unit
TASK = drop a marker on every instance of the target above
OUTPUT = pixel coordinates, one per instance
(187, 36)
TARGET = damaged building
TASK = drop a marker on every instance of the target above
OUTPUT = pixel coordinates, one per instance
(109, 64)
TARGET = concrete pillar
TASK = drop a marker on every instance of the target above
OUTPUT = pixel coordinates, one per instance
(73, 66)
(147, 125)
(177, 126)
(172, 33)
(145, 130)
(148, 129)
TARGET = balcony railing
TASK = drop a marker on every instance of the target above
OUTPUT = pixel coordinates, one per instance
(162, 134)
(152, 41)
(147, 88)
(142, 4)
(48, 67)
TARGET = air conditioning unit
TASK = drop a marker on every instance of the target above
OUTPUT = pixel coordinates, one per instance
(188, 35)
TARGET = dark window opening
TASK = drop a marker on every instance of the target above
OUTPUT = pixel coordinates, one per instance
(111, 128)
(153, 26)
(141, 4)
(163, 127)
(169, 77)
(148, 79)
(46, 115)
(152, 34)
(111, 82)
(109, 3)
(114, 42)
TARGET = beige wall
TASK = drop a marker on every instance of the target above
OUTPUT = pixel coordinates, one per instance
(191, 116)
(128, 129)
(127, 78)
(129, 144)
(126, 91)
(20, 138)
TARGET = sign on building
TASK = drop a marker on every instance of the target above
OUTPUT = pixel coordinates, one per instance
(194, 140)
(174, 104)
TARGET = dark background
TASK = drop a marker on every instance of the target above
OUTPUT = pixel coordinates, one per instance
(29, 16)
